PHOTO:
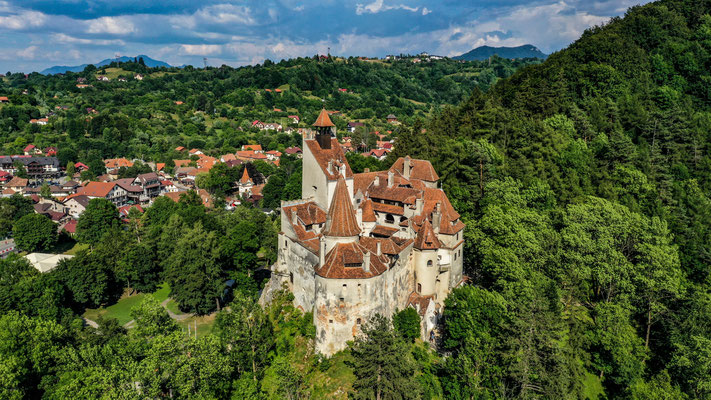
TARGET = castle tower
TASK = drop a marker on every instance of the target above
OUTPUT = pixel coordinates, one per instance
(341, 221)
(426, 260)
(323, 163)
(324, 127)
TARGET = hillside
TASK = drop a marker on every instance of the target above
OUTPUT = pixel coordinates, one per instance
(61, 69)
(586, 181)
(484, 52)
(214, 109)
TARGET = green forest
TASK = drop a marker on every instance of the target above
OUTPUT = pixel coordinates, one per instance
(584, 182)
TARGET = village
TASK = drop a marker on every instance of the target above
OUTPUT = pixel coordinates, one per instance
(62, 197)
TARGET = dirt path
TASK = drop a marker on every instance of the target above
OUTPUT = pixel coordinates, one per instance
(91, 323)
(172, 314)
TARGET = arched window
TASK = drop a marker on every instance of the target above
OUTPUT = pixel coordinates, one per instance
(419, 288)
(389, 219)
(429, 263)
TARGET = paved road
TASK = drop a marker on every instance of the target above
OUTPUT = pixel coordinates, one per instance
(7, 246)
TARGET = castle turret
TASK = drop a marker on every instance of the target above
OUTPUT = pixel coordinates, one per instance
(426, 262)
(341, 222)
(323, 127)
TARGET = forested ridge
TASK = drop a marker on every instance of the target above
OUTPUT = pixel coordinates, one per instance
(213, 109)
(585, 183)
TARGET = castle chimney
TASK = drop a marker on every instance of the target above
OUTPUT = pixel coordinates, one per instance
(379, 248)
(366, 261)
(406, 168)
(330, 166)
(359, 217)
(436, 217)
(366, 170)
(419, 205)
(294, 219)
(322, 251)
(376, 181)
(391, 179)
(343, 170)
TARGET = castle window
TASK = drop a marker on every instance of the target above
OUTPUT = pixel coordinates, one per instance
(342, 301)
(291, 277)
(330, 321)
(419, 288)
(359, 285)
(358, 321)
(389, 219)
(429, 263)
(309, 226)
(353, 265)
(455, 256)
(345, 286)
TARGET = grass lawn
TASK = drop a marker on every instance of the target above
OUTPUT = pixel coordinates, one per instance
(122, 309)
(77, 247)
(173, 307)
(204, 324)
(162, 293)
(114, 73)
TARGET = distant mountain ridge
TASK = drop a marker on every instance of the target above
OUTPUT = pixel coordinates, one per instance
(484, 52)
(60, 69)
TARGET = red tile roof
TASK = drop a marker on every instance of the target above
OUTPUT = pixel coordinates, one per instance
(308, 213)
(113, 163)
(345, 261)
(334, 154)
(341, 221)
(383, 231)
(426, 238)
(323, 120)
(368, 212)
(97, 189)
(419, 169)
(245, 177)
(255, 147)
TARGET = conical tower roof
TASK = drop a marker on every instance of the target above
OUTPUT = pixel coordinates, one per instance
(323, 120)
(341, 220)
(426, 238)
(245, 177)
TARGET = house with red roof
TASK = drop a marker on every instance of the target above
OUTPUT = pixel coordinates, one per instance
(111, 191)
(30, 149)
(379, 154)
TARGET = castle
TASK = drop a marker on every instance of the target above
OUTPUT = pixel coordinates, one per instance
(357, 245)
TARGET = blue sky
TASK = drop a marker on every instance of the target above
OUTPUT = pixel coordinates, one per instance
(35, 34)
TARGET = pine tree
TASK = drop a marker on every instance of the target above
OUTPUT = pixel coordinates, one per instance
(382, 364)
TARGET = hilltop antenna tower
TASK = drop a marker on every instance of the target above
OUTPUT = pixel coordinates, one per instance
(204, 62)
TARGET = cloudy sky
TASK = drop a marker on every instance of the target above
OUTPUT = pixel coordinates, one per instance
(35, 34)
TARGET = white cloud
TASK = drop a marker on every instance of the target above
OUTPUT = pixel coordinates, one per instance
(200, 49)
(379, 6)
(225, 14)
(64, 38)
(30, 53)
(22, 20)
(111, 25)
